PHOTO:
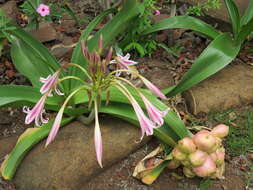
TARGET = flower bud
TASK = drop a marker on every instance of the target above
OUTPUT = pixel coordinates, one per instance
(187, 145)
(207, 169)
(186, 163)
(220, 131)
(178, 155)
(173, 164)
(198, 158)
(204, 140)
(188, 172)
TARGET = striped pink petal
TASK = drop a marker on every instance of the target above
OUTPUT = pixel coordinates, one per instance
(146, 124)
(36, 113)
(154, 114)
(98, 144)
(55, 128)
(153, 88)
(50, 83)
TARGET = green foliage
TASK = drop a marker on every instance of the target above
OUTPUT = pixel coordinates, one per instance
(219, 53)
(56, 11)
(133, 39)
(200, 7)
(240, 139)
(33, 60)
(205, 184)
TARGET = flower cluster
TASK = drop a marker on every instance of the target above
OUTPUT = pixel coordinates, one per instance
(202, 155)
(100, 79)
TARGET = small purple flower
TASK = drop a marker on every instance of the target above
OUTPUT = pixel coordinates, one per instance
(124, 61)
(55, 128)
(154, 114)
(43, 10)
(153, 88)
(36, 113)
(157, 12)
(50, 83)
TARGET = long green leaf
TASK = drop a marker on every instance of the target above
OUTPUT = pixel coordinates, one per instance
(28, 62)
(41, 50)
(109, 32)
(186, 22)
(234, 16)
(248, 15)
(26, 141)
(215, 57)
(245, 31)
(11, 94)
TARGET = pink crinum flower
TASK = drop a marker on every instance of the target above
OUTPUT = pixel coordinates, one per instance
(43, 10)
(157, 12)
(51, 83)
(36, 113)
(124, 61)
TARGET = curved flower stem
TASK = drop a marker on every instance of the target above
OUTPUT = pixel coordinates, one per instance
(81, 68)
(87, 120)
(72, 77)
(124, 70)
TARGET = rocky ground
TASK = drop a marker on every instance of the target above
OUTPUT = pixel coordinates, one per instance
(163, 69)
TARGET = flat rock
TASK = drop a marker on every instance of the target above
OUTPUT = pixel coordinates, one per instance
(45, 33)
(10, 8)
(222, 13)
(228, 88)
(70, 160)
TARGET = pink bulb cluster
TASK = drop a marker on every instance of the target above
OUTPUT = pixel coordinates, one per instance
(202, 155)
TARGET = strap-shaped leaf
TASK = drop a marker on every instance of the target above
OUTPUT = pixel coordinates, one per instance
(245, 31)
(34, 44)
(29, 63)
(20, 95)
(234, 16)
(248, 15)
(186, 22)
(214, 58)
(26, 141)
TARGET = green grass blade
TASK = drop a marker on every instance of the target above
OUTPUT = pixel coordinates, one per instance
(26, 141)
(186, 22)
(215, 57)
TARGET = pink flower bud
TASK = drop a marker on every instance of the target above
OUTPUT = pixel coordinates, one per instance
(220, 131)
(187, 145)
(178, 155)
(173, 164)
(188, 172)
(204, 140)
(198, 158)
(206, 169)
